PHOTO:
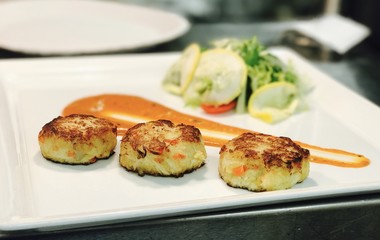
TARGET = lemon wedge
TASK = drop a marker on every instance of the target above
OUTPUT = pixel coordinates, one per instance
(181, 73)
(219, 78)
(274, 102)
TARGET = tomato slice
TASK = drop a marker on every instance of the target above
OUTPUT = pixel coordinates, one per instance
(211, 109)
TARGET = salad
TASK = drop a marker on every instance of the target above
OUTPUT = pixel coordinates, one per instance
(237, 75)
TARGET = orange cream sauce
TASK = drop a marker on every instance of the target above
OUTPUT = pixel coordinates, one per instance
(126, 111)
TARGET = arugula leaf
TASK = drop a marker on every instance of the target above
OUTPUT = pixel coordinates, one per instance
(249, 49)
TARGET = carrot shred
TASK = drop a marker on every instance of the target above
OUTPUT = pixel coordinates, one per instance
(159, 160)
(178, 156)
(70, 153)
(239, 171)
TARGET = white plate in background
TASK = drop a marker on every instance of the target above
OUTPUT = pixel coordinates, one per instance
(64, 27)
(35, 193)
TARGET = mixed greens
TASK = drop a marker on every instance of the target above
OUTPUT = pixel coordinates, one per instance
(215, 76)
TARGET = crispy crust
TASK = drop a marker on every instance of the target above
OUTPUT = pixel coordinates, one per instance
(77, 139)
(161, 148)
(139, 135)
(270, 163)
(77, 126)
(274, 151)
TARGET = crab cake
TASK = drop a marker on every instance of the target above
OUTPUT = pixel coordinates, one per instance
(260, 162)
(162, 148)
(77, 139)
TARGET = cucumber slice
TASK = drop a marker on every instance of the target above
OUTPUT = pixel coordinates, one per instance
(219, 78)
(181, 73)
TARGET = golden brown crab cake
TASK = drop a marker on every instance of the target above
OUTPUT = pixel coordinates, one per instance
(77, 139)
(260, 162)
(162, 148)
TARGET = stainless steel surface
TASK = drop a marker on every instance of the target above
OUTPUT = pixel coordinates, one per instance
(350, 217)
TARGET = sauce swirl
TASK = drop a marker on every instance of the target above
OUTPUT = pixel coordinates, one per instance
(126, 111)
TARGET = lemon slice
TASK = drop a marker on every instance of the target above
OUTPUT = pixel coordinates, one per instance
(274, 102)
(219, 78)
(181, 72)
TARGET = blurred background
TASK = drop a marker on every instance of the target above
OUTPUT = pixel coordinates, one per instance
(248, 11)
(245, 18)
(239, 10)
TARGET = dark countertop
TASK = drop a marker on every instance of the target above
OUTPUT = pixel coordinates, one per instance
(351, 217)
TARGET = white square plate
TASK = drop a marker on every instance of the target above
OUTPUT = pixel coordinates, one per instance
(35, 193)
